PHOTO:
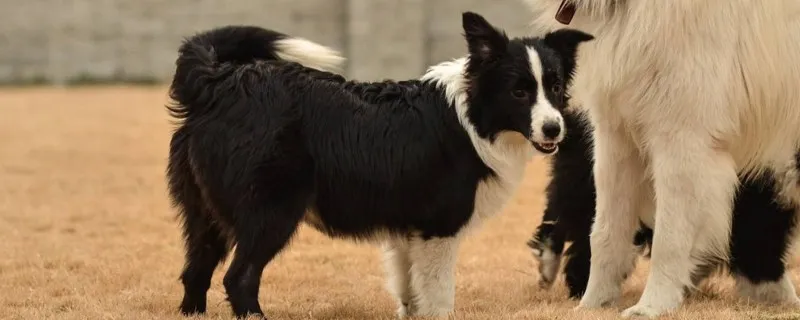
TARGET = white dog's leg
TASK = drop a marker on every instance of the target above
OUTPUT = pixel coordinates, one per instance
(770, 292)
(397, 263)
(432, 276)
(695, 181)
(619, 175)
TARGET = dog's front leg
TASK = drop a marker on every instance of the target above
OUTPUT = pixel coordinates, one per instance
(695, 180)
(432, 276)
(619, 178)
(397, 263)
(547, 246)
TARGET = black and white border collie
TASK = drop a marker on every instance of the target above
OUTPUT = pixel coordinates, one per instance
(569, 212)
(267, 140)
(761, 231)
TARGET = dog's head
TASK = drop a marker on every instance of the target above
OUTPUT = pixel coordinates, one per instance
(518, 85)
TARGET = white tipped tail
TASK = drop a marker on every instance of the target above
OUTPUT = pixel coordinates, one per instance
(309, 54)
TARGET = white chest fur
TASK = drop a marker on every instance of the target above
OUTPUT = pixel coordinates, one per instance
(494, 193)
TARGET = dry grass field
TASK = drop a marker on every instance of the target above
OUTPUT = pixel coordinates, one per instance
(86, 232)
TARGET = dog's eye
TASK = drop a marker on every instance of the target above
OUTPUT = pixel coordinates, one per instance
(557, 89)
(519, 94)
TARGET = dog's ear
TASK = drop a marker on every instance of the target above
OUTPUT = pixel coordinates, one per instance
(485, 42)
(565, 42)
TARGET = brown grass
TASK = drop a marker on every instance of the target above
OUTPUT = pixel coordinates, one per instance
(86, 232)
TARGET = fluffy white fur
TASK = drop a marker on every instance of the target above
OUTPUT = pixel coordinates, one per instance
(310, 54)
(683, 95)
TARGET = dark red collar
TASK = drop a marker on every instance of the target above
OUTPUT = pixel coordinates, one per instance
(565, 12)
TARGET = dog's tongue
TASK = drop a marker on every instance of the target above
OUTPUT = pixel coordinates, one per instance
(565, 12)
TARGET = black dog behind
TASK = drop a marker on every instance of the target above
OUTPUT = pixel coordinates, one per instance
(266, 142)
(569, 212)
(760, 234)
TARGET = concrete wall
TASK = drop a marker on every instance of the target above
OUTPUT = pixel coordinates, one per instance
(136, 40)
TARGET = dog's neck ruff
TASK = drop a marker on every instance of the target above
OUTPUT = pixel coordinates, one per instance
(506, 160)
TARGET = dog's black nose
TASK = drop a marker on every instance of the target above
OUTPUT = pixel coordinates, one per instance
(551, 130)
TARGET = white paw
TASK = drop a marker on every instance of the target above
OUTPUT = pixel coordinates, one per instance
(549, 264)
(779, 292)
(545, 283)
(656, 300)
(403, 312)
(599, 298)
(422, 308)
(432, 312)
(642, 311)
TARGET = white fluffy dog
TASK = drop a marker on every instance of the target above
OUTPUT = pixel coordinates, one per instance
(685, 96)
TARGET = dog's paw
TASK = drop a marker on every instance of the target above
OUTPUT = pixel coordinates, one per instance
(545, 283)
(588, 305)
(437, 313)
(779, 292)
(405, 310)
(549, 263)
(402, 312)
(429, 310)
(642, 312)
(598, 299)
(193, 306)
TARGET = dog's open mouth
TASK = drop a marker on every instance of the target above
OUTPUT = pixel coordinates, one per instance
(546, 148)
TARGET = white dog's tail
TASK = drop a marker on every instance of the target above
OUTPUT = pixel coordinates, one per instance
(207, 57)
(309, 54)
(246, 44)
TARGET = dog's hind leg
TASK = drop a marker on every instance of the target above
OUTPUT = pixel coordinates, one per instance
(432, 276)
(760, 240)
(205, 246)
(695, 182)
(263, 228)
(622, 188)
(397, 263)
